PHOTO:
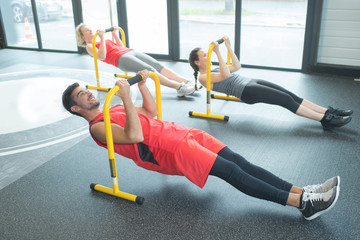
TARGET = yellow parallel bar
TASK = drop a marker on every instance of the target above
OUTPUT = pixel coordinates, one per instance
(157, 91)
(106, 112)
(110, 191)
(122, 35)
(110, 146)
(214, 116)
(157, 94)
(228, 97)
(208, 89)
(208, 77)
(109, 137)
(98, 88)
(228, 56)
(96, 62)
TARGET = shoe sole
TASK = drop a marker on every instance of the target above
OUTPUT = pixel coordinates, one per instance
(184, 94)
(332, 204)
(331, 127)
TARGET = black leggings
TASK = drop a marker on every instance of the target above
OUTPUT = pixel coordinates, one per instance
(260, 91)
(248, 178)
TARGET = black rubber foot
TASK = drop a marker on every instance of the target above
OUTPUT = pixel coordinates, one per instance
(140, 200)
(190, 113)
(86, 86)
(212, 95)
(92, 186)
(226, 118)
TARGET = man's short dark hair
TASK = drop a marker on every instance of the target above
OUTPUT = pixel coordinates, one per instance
(68, 100)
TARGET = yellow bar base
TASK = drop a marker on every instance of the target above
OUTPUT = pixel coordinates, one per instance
(225, 97)
(98, 88)
(124, 195)
(213, 116)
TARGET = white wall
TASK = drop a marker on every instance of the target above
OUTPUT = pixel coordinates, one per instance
(339, 41)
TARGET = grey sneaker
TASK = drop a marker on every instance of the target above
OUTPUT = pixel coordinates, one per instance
(324, 187)
(315, 204)
(185, 89)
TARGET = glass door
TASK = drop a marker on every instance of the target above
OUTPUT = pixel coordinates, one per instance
(99, 14)
(204, 21)
(18, 24)
(56, 24)
(148, 26)
(272, 33)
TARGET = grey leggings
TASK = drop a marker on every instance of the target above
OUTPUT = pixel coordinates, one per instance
(134, 61)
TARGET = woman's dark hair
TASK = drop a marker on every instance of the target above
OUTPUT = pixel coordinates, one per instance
(192, 58)
(68, 100)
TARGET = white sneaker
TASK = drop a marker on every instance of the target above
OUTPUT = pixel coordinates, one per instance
(190, 83)
(324, 187)
(185, 89)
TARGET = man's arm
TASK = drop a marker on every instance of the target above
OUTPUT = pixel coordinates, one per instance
(132, 132)
(148, 107)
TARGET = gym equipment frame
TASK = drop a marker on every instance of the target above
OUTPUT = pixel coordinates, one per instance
(98, 87)
(110, 143)
(208, 89)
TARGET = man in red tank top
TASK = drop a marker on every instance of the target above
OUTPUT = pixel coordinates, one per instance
(170, 148)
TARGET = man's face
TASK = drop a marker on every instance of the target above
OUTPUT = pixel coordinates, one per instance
(84, 99)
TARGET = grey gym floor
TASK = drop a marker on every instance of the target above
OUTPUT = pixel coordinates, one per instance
(45, 194)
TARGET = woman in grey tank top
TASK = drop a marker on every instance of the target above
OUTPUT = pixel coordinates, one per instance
(252, 91)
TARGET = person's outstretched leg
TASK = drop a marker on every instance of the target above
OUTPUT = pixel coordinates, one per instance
(266, 92)
(130, 62)
(181, 88)
(311, 205)
(166, 72)
(173, 75)
(233, 174)
(257, 171)
(313, 106)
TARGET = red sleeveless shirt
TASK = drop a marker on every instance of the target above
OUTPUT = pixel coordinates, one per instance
(113, 52)
(168, 147)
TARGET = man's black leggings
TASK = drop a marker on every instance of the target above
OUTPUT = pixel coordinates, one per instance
(260, 91)
(248, 178)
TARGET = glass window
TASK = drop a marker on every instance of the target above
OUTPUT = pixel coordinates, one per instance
(100, 14)
(148, 29)
(56, 24)
(272, 33)
(204, 21)
(55, 21)
(18, 23)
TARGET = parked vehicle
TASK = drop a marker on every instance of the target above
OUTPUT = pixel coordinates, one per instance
(46, 9)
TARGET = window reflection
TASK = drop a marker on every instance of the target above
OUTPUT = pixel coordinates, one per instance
(56, 22)
(55, 18)
(147, 24)
(99, 14)
(202, 22)
(18, 25)
(272, 33)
